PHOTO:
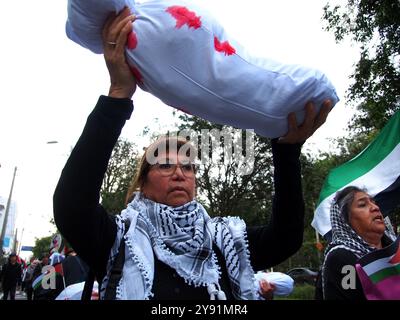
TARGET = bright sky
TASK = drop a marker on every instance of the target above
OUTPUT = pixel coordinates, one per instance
(50, 85)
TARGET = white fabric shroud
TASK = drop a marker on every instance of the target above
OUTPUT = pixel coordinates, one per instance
(283, 283)
(184, 57)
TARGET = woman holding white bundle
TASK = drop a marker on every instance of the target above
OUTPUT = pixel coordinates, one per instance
(165, 245)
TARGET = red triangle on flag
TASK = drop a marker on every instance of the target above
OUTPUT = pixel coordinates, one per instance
(59, 269)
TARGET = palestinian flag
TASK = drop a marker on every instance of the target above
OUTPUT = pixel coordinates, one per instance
(56, 269)
(379, 273)
(376, 168)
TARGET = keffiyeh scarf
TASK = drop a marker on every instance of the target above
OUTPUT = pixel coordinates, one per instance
(182, 238)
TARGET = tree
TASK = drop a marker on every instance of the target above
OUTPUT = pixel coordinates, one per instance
(374, 25)
(120, 171)
(42, 246)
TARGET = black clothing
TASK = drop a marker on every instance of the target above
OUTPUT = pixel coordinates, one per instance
(29, 291)
(333, 276)
(75, 270)
(170, 283)
(318, 293)
(91, 231)
(38, 271)
(9, 291)
(11, 275)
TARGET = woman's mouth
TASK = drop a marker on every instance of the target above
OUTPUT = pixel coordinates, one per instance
(378, 218)
(178, 189)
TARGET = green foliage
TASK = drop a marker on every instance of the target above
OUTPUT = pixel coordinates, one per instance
(374, 25)
(300, 292)
(42, 246)
(395, 219)
(120, 171)
(308, 256)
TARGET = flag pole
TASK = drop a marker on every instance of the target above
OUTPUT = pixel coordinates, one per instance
(317, 238)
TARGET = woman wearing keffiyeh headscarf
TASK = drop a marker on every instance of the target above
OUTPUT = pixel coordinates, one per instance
(358, 228)
(164, 242)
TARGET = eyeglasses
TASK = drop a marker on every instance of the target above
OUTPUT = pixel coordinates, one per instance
(168, 169)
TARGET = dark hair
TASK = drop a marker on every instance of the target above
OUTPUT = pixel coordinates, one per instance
(344, 198)
(44, 255)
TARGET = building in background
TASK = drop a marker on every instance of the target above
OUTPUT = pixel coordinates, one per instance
(9, 238)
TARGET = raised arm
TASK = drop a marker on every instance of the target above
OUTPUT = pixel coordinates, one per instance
(271, 244)
(77, 212)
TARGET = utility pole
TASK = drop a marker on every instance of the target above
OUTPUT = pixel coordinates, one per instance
(15, 241)
(3, 230)
(20, 243)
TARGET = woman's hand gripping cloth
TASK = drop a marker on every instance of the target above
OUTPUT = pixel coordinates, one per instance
(183, 56)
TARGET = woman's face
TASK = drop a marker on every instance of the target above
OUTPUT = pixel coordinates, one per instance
(365, 216)
(175, 189)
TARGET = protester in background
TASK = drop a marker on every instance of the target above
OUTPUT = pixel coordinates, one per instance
(44, 261)
(358, 228)
(75, 269)
(28, 277)
(75, 272)
(38, 273)
(10, 276)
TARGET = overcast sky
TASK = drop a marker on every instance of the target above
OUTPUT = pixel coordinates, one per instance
(49, 85)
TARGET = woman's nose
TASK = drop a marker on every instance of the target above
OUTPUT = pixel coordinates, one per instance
(374, 207)
(178, 173)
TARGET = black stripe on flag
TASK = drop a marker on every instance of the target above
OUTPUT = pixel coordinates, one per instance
(389, 198)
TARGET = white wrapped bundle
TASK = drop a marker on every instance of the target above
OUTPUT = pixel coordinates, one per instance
(180, 54)
(283, 282)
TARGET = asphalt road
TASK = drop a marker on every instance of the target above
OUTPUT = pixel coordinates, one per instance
(19, 295)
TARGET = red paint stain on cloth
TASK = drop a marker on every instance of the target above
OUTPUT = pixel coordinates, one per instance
(138, 76)
(132, 40)
(224, 47)
(184, 16)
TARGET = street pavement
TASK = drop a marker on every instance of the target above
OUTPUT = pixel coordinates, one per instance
(19, 295)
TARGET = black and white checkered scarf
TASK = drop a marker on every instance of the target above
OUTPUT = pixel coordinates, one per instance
(182, 238)
(343, 235)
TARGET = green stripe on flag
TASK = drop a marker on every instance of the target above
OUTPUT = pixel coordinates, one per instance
(385, 273)
(38, 281)
(369, 158)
